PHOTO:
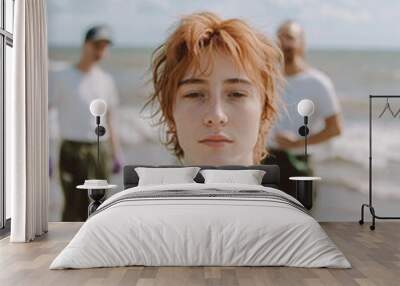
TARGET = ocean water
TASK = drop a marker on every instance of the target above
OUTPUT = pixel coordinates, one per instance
(343, 163)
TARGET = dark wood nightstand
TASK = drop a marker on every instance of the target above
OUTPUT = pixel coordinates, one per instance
(96, 194)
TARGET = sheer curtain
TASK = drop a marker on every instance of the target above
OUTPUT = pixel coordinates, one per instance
(26, 124)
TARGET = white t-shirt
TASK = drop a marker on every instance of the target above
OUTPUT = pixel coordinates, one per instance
(311, 84)
(71, 91)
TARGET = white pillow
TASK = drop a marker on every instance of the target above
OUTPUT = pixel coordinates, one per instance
(162, 176)
(248, 177)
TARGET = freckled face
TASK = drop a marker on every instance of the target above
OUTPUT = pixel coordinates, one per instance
(217, 114)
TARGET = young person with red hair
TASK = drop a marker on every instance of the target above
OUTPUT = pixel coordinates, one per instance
(215, 90)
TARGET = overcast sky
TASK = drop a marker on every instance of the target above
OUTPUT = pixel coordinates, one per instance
(328, 23)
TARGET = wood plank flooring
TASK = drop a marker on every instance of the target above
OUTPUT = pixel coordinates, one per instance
(375, 257)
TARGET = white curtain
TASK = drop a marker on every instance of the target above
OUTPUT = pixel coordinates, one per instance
(26, 124)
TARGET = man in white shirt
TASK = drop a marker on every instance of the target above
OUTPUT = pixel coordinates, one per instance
(302, 81)
(71, 91)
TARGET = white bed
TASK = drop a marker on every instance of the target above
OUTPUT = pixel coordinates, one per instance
(185, 230)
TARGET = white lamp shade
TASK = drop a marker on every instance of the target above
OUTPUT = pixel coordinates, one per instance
(305, 107)
(98, 107)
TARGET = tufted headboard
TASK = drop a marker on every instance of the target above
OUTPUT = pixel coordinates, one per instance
(270, 179)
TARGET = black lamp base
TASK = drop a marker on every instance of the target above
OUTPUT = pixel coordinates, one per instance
(304, 131)
(100, 130)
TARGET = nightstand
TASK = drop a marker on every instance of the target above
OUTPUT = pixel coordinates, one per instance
(96, 191)
(304, 190)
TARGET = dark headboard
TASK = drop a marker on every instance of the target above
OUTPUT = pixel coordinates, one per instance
(270, 179)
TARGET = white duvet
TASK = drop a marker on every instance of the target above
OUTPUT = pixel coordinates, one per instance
(200, 231)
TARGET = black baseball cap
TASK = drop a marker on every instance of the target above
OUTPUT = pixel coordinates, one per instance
(99, 33)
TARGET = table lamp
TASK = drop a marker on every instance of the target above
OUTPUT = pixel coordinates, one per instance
(98, 107)
(305, 108)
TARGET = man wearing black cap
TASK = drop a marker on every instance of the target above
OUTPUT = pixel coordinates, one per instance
(70, 91)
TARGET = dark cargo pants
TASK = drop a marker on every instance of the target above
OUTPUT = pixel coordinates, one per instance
(78, 162)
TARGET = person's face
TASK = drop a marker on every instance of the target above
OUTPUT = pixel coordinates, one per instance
(290, 40)
(96, 50)
(217, 114)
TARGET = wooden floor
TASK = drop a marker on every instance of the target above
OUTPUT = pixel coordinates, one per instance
(374, 255)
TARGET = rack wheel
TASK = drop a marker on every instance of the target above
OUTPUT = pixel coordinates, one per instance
(372, 227)
(361, 222)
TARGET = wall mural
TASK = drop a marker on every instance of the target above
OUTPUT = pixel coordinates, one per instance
(182, 89)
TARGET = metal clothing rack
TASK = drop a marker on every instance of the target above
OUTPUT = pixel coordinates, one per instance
(370, 205)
